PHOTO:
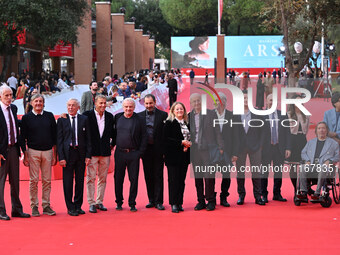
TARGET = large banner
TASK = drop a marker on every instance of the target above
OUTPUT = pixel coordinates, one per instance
(240, 51)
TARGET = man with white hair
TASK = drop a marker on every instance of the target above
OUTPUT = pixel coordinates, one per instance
(74, 151)
(9, 153)
(131, 143)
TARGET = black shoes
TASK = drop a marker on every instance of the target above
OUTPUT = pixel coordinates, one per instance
(200, 206)
(72, 213)
(210, 206)
(93, 209)
(180, 208)
(101, 207)
(174, 209)
(160, 207)
(4, 216)
(240, 201)
(265, 199)
(20, 215)
(150, 205)
(279, 198)
(133, 208)
(80, 211)
(119, 207)
(301, 195)
(259, 201)
(224, 203)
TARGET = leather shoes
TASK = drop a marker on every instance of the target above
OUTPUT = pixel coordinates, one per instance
(93, 209)
(174, 209)
(101, 207)
(180, 208)
(200, 206)
(160, 207)
(240, 201)
(301, 195)
(133, 208)
(150, 205)
(259, 201)
(4, 217)
(210, 206)
(119, 207)
(279, 198)
(80, 211)
(265, 199)
(224, 203)
(20, 215)
(72, 213)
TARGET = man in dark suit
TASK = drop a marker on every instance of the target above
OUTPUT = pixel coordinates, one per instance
(74, 151)
(205, 139)
(131, 142)
(9, 153)
(230, 134)
(251, 138)
(276, 148)
(173, 88)
(153, 162)
(102, 142)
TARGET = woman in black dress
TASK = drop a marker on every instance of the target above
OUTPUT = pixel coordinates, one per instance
(298, 138)
(176, 137)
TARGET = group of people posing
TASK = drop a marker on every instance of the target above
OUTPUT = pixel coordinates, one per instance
(176, 139)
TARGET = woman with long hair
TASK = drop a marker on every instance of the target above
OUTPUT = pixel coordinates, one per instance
(298, 128)
(176, 137)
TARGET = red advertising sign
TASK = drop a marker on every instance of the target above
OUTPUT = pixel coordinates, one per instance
(94, 55)
(61, 50)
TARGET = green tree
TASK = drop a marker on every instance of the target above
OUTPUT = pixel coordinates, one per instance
(48, 21)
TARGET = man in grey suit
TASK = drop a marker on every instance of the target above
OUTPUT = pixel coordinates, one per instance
(319, 154)
(88, 98)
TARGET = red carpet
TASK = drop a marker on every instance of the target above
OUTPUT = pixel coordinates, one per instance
(277, 228)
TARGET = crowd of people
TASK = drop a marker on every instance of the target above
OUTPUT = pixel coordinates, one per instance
(87, 139)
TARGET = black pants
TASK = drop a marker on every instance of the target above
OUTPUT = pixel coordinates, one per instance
(225, 185)
(172, 98)
(153, 165)
(255, 160)
(176, 183)
(129, 160)
(10, 166)
(273, 155)
(75, 167)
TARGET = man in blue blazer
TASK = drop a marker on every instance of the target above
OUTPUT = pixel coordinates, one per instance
(331, 118)
(276, 147)
(74, 151)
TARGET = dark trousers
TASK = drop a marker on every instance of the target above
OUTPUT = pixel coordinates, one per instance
(129, 160)
(75, 167)
(10, 166)
(255, 160)
(225, 185)
(153, 165)
(273, 155)
(204, 182)
(172, 98)
(176, 183)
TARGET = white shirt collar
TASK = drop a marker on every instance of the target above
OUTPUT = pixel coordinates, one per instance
(3, 106)
(37, 113)
(180, 121)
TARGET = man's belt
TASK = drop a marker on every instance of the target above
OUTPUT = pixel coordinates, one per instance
(126, 150)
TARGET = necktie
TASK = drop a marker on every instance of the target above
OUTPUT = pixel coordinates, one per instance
(274, 133)
(73, 131)
(11, 126)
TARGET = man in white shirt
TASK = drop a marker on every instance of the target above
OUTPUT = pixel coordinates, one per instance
(150, 78)
(13, 83)
(62, 84)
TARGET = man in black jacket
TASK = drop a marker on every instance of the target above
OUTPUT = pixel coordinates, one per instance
(231, 144)
(9, 153)
(131, 142)
(74, 151)
(172, 85)
(251, 138)
(153, 162)
(276, 148)
(102, 141)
